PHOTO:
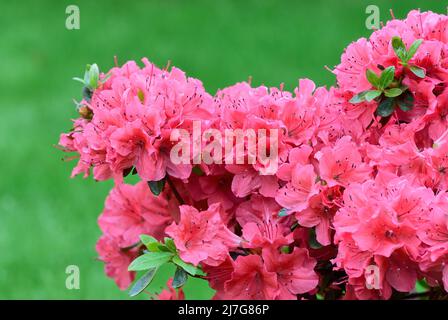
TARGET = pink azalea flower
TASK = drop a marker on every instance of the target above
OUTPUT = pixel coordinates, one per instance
(318, 215)
(202, 236)
(218, 275)
(295, 271)
(261, 225)
(296, 194)
(342, 164)
(117, 260)
(356, 59)
(131, 211)
(251, 281)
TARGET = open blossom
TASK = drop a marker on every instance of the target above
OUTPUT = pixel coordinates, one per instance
(295, 271)
(201, 236)
(133, 210)
(381, 218)
(319, 215)
(342, 164)
(251, 280)
(261, 226)
(296, 194)
(117, 260)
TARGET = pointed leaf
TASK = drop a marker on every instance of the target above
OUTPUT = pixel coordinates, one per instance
(399, 48)
(413, 49)
(180, 277)
(393, 92)
(157, 186)
(79, 79)
(358, 98)
(143, 282)
(386, 107)
(191, 269)
(94, 76)
(148, 241)
(387, 76)
(372, 78)
(162, 247)
(419, 72)
(150, 260)
(372, 94)
(87, 75)
(169, 243)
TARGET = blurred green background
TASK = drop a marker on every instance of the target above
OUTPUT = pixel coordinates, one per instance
(48, 221)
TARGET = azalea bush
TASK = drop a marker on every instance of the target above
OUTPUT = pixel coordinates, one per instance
(357, 207)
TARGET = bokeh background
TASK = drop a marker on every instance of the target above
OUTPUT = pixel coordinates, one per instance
(49, 221)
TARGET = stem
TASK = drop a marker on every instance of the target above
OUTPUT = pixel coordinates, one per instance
(173, 188)
(132, 246)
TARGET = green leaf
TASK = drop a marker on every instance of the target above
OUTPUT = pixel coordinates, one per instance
(372, 77)
(406, 101)
(386, 78)
(191, 269)
(419, 72)
(397, 43)
(358, 98)
(169, 243)
(399, 48)
(162, 247)
(393, 92)
(79, 79)
(283, 212)
(143, 282)
(153, 247)
(372, 94)
(94, 76)
(198, 171)
(157, 186)
(413, 49)
(386, 107)
(150, 260)
(147, 240)
(87, 75)
(180, 277)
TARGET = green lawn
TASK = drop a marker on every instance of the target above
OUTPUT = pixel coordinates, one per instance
(48, 221)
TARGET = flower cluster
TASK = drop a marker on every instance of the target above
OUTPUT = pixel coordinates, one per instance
(358, 208)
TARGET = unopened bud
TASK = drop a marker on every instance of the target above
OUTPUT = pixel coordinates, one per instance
(85, 112)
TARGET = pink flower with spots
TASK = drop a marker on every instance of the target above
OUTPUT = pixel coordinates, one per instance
(342, 164)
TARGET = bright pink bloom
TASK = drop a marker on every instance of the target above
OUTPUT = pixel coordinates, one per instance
(342, 164)
(251, 280)
(131, 211)
(261, 225)
(201, 236)
(116, 259)
(295, 271)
